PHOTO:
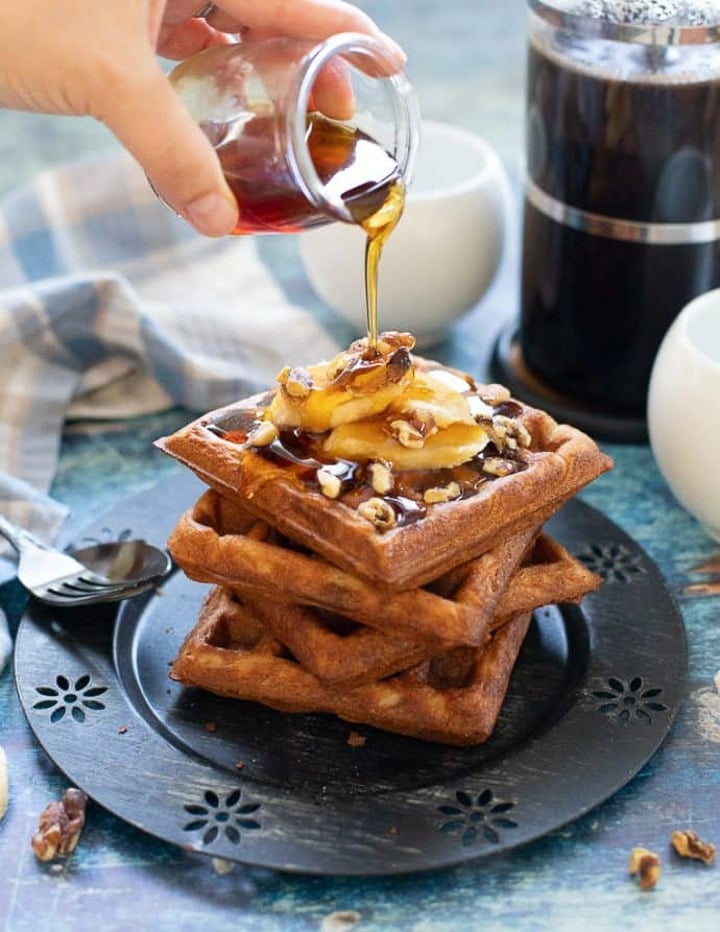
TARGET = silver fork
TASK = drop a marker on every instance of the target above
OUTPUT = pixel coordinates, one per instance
(57, 578)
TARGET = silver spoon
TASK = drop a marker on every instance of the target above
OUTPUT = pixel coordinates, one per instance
(100, 573)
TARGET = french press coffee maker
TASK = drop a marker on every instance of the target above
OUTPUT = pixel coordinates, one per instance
(621, 224)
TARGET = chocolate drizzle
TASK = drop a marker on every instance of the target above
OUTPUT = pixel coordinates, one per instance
(300, 453)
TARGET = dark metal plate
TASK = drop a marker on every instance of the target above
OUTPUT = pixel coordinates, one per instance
(593, 695)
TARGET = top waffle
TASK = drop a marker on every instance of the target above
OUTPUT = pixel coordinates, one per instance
(390, 466)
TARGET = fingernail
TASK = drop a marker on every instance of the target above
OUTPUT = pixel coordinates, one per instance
(394, 48)
(212, 214)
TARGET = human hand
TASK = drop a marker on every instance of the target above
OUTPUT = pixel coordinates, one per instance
(98, 59)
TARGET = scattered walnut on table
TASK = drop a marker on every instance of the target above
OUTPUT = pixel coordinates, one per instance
(340, 920)
(687, 844)
(60, 826)
(356, 740)
(646, 865)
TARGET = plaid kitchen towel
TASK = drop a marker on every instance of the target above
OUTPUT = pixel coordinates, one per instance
(112, 306)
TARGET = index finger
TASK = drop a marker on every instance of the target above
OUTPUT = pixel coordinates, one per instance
(302, 19)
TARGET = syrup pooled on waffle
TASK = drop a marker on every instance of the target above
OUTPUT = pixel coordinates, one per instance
(375, 426)
(380, 518)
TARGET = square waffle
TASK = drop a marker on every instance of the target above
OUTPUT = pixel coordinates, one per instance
(372, 532)
(278, 482)
(231, 653)
(219, 541)
(339, 651)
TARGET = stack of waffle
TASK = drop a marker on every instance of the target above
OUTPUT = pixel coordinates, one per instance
(381, 565)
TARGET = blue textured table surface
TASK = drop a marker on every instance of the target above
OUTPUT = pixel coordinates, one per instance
(467, 62)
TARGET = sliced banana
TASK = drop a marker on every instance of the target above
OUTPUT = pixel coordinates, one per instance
(373, 404)
(357, 384)
(428, 397)
(376, 440)
(325, 408)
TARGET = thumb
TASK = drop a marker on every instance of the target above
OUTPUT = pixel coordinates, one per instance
(153, 124)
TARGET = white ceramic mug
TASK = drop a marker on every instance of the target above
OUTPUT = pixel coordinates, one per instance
(443, 255)
(684, 409)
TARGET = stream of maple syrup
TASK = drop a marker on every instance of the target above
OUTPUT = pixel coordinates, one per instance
(378, 227)
(350, 164)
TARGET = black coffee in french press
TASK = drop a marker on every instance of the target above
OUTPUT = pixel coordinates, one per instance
(622, 202)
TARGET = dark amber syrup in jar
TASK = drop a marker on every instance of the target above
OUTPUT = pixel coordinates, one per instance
(349, 164)
(347, 161)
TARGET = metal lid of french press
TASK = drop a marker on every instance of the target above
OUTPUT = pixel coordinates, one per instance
(646, 22)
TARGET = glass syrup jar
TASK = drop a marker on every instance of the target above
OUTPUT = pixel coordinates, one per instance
(306, 133)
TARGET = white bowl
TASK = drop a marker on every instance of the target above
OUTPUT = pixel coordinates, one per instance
(684, 409)
(443, 255)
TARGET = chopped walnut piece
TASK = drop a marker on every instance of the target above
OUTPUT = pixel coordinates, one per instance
(503, 427)
(377, 512)
(494, 394)
(398, 364)
(423, 422)
(59, 826)
(297, 381)
(687, 844)
(446, 493)
(505, 432)
(497, 466)
(510, 432)
(330, 484)
(523, 435)
(381, 478)
(407, 435)
(263, 434)
(646, 865)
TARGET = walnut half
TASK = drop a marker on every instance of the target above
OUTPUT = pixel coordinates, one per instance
(646, 865)
(687, 844)
(59, 826)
